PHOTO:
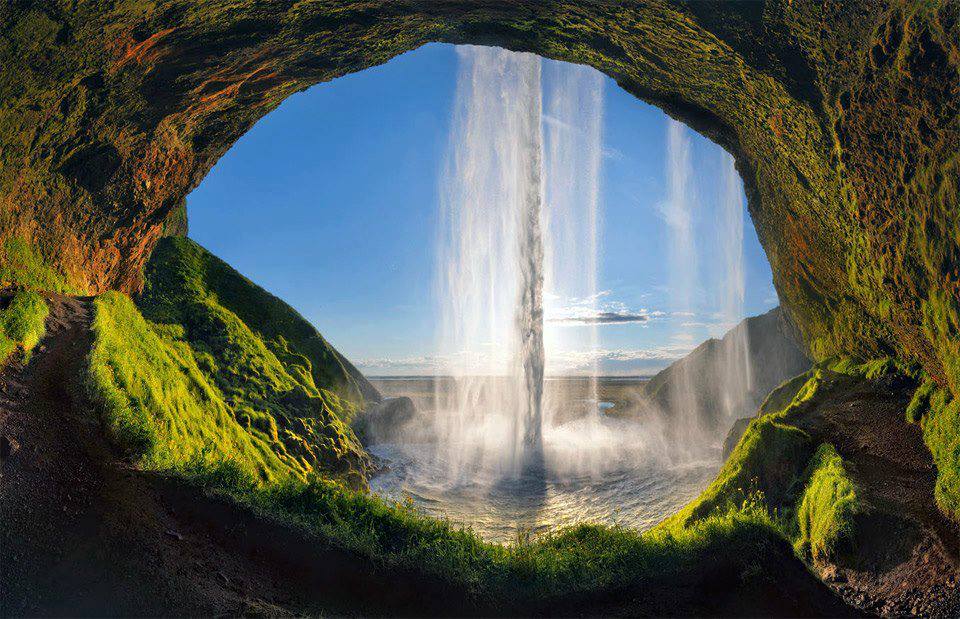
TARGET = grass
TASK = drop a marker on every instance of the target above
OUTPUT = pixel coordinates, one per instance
(827, 508)
(938, 414)
(186, 377)
(158, 404)
(186, 285)
(22, 264)
(187, 387)
(22, 323)
(568, 562)
(803, 489)
(225, 396)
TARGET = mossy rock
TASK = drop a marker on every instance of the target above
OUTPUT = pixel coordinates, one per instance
(844, 119)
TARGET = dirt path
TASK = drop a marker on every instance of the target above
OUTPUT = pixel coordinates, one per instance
(907, 560)
(81, 534)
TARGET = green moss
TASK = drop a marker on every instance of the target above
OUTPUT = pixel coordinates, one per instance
(920, 402)
(159, 405)
(162, 404)
(246, 327)
(776, 469)
(768, 459)
(938, 413)
(826, 510)
(768, 464)
(783, 395)
(871, 369)
(22, 264)
(22, 323)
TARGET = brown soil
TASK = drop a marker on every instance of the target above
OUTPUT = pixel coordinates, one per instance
(905, 558)
(84, 534)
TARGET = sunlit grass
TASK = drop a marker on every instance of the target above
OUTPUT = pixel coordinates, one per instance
(828, 506)
(157, 403)
(22, 323)
(178, 374)
(189, 388)
(22, 264)
(162, 404)
(566, 562)
(938, 413)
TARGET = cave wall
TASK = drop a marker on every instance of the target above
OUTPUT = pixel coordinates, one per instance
(843, 118)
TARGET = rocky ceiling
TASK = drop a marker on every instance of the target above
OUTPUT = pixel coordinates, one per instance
(844, 118)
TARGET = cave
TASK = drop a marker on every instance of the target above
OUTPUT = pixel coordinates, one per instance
(843, 119)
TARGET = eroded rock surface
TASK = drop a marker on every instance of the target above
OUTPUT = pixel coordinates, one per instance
(843, 117)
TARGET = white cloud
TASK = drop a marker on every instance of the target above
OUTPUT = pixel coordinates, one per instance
(559, 362)
(592, 310)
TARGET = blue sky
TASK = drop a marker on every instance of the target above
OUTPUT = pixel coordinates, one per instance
(331, 203)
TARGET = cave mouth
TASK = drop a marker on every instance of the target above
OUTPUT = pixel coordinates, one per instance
(608, 453)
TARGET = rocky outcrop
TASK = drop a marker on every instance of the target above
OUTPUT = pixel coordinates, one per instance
(844, 119)
(385, 421)
(760, 351)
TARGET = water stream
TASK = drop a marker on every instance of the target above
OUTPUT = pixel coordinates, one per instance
(503, 448)
(491, 267)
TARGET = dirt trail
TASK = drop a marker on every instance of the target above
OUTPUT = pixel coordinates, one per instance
(81, 534)
(84, 534)
(907, 556)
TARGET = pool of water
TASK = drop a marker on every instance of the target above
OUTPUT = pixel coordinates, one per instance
(606, 462)
(566, 487)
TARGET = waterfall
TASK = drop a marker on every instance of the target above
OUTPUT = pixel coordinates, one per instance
(519, 229)
(573, 122)
(736, 381)
(705, 400)
(678, 214)
(490, 284)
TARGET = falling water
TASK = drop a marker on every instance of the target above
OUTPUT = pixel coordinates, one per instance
(735, 383)
(573, 132)
(520, 224)
(678, 214)
(700, 414)
(491, 259)
(503, 447)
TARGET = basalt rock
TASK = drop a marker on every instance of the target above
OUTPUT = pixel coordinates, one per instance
(843, 117)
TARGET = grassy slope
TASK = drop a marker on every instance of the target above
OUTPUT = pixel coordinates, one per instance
(168, 412)
(572, 562)
(188, 381)
(22, 323)
(22, 264)
(826, 509)
(182, 276)
(776, 488)
(777, 468)
(189, 388)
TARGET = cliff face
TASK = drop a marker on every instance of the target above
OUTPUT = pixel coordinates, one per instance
(844, 118)
(768, 354)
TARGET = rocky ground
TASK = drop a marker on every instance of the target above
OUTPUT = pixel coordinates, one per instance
(907, 555)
